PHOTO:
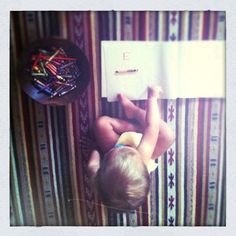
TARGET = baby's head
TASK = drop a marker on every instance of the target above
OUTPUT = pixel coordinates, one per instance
(122, 178)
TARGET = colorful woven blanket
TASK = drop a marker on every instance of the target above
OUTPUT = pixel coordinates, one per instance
(50, 145)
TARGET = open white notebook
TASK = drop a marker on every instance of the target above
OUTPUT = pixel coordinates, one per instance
(185, 69)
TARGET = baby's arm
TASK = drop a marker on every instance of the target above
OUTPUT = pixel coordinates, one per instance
(151, 130)
(107, 130)
(165, 139)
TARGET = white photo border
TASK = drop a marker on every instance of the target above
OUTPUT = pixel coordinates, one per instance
(229, 6)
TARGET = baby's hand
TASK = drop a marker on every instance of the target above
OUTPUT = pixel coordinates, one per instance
(154, 91)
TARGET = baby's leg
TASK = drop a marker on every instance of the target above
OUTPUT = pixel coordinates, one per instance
(134, 112)
(131, 110)
(107, 130)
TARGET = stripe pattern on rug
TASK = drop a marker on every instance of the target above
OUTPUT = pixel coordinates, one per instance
(50, 146)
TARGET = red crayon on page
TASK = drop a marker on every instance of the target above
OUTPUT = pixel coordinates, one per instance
(118, 72)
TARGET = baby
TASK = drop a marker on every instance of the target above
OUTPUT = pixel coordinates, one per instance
(130, 148)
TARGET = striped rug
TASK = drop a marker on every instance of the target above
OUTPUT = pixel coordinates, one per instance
(50, 146)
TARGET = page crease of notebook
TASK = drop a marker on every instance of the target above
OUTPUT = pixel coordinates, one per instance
(185, 69)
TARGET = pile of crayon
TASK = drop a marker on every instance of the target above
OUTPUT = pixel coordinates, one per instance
(53, 72)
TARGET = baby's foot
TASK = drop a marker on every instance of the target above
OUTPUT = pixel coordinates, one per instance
(154, 91)
(128, 106)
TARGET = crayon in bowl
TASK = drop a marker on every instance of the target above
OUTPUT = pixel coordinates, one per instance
(53, 72)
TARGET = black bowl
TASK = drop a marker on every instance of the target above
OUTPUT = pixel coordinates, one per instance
(71, 51)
